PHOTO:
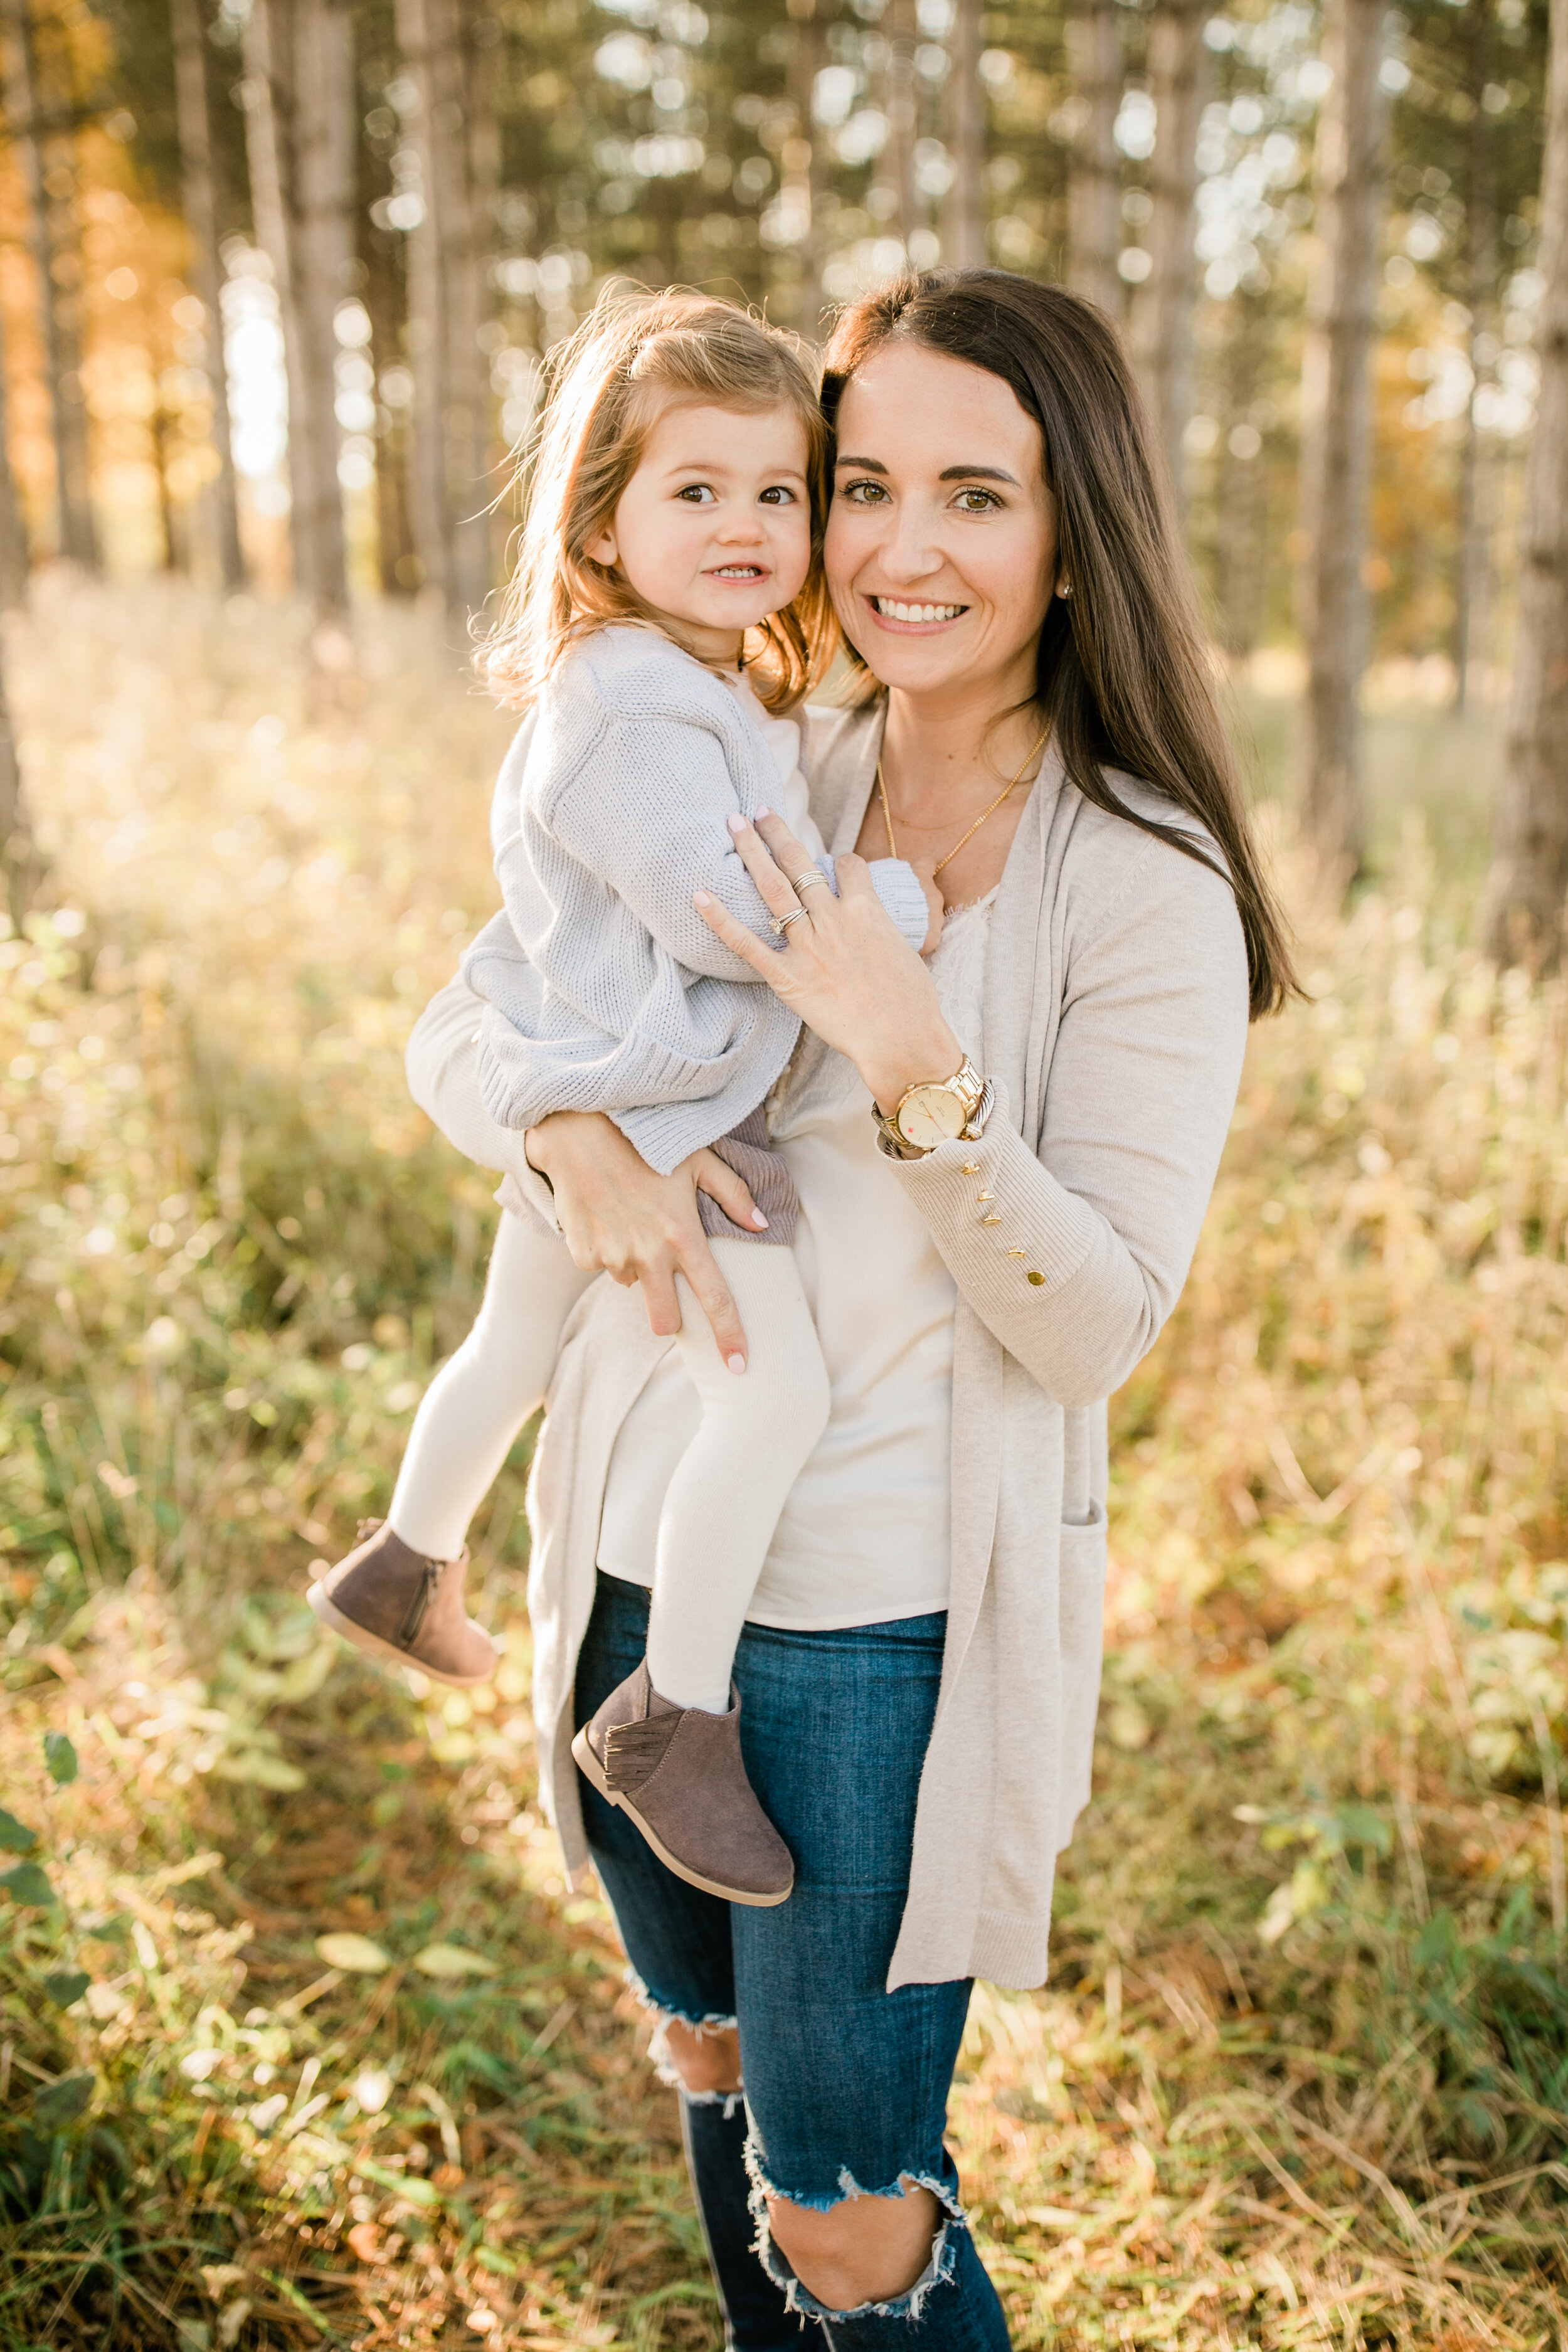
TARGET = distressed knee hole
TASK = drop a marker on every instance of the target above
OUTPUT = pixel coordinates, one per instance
(864, 2251)
(703, 2060)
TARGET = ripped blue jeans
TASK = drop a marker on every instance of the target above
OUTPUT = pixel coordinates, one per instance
(845, 2083)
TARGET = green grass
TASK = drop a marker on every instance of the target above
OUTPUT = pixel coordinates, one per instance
(1300, 2079)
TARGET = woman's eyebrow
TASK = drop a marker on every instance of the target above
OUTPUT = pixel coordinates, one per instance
(978, 474)
(867, 465)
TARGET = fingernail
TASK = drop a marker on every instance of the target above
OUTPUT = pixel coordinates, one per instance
(736, 823)
(760, 1221)
(764, 811)
(736, 1363)
(701, 898)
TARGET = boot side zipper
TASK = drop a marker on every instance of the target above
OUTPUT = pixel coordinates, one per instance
(420, 1607)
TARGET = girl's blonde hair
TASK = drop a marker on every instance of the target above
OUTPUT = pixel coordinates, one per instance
(604, 389)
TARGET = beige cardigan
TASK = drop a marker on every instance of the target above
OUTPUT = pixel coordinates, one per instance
(1114, 1021)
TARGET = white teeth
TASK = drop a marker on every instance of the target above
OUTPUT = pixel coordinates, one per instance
(895, 612)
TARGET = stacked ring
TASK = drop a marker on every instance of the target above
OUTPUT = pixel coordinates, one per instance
(803, 880)
(781, 923)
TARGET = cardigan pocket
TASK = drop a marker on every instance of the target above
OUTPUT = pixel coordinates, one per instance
(1080, 1608)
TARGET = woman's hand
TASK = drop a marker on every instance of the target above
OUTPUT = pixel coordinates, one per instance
(620, 1219)
(844, 968)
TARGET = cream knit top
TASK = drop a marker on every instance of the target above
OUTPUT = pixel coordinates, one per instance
(865, 1535)
(1113, 1021)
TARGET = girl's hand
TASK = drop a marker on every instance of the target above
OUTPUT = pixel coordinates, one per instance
(844, 967)
(620, 1219)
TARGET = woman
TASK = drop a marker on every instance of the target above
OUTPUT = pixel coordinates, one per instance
(1004, 1160)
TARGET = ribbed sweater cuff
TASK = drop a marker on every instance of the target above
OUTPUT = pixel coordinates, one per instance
(898, 885)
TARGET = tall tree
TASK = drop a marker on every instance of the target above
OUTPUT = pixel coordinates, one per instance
(300, 125)
(1530, 866)
(963, 220)
(200, 199)
(452, 130)
(1481, 301)
(1337, 426)
(21, 864)
(900, 27)
(14, 556)
(1094, 174)
(1162, 313)
(805, 157)
(42, 116)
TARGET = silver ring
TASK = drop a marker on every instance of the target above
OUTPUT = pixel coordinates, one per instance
(781, 923)
(803, 881)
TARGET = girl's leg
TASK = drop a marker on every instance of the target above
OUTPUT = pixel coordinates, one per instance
(722, 1505)
(481, 1398)
(678, 1941)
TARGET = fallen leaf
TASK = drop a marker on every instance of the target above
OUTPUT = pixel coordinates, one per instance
(451, 1960)
(356, 1954)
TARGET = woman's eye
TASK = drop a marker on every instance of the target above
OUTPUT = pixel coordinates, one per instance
(977, 501)
(697, 493)
(865, 494)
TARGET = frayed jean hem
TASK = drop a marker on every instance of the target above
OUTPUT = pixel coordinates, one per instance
(798, 2298)
(705, 2026)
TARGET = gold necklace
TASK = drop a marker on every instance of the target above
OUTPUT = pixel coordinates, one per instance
(953, 853)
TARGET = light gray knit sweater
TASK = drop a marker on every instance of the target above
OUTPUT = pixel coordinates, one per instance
(609, 814)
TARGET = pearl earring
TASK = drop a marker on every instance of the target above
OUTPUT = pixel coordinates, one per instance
(1065, 590)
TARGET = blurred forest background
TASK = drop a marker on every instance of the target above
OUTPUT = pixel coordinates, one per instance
(303, 2039)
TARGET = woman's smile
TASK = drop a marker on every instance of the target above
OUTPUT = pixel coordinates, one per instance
(896, 612)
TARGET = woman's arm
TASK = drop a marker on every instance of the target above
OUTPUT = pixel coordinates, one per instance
(583, 1177)
(1075, 1259)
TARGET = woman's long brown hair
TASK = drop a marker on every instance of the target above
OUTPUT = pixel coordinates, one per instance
(1124, 677)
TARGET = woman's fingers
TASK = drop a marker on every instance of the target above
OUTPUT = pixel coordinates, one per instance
(735, 936)
(696, 1262)
(718, 1181)
(789, 854)
(775, 886)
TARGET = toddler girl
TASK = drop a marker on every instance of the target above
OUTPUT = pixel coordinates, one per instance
(670, 556)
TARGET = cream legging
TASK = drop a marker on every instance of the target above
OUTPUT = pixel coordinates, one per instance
(757, 1428)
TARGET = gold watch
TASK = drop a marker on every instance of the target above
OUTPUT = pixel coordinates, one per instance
(939, 1110)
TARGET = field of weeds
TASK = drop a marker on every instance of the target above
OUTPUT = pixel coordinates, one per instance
(302, 2039)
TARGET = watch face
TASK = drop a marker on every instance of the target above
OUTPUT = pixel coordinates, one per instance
(929, 1115)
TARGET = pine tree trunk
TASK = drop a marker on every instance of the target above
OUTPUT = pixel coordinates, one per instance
(1241, 542)
(1094, 171)
(14, 553)
(1480, 252)
(1337, 429)
(36, 99)
(300, 119)
(1164, 310)
(963, 221)
(900, 30)
(199, 195)
(21, 865)
(1530, 858)
(448, 301)
(806, 158)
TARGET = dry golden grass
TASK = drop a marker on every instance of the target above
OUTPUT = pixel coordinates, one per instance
(1302, 2077)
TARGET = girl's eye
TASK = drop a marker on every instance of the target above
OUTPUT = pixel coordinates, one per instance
(777, 495)
(865, 494)
(977, 501)
(697, 493)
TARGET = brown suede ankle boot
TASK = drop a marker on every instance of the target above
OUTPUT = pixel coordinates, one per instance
(677, 1772)
(393, 1603)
